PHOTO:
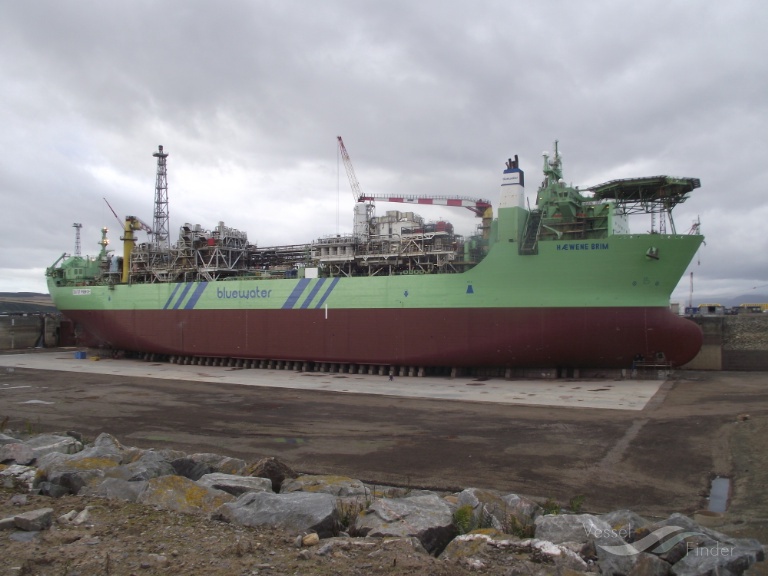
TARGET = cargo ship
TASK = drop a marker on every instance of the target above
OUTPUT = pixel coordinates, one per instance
(563, 284)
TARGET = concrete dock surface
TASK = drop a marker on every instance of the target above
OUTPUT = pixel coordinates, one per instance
(578, 393)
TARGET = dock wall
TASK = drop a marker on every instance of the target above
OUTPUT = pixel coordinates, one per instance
(733, 343)
(20, 331)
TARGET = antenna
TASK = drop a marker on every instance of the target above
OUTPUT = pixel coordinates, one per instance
(690, 295)
(77, 226)
(161, 224)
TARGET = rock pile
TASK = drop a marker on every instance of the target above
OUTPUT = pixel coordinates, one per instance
(473, 528)
(747, 332)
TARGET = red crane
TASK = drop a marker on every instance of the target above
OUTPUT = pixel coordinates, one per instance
(357, 192)
(476, 205)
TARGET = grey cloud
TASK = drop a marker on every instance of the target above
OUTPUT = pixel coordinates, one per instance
(430, 97)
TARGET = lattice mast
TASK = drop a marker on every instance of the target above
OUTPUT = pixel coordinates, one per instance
(161, 222)
(77, 226)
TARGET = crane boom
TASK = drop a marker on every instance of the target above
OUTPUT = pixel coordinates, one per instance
(477, 205)
(357, 192)
(137, 223)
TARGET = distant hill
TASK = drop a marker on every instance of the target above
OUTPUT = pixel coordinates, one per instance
(25, 303)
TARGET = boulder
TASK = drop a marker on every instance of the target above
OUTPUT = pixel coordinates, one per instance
(373, 547)
(311, 539)
(170, 454)
(340, 486)
(219, 463)
(75, 471)
(562, 556)
(76, 435)
(297, 511)
(34, 520)
(148, 465)
(105, 444)
(559, 528)
(478, 550)
(636, 563)
(189, 468)
(688, 525)
(521, 508)
(488, 509)
(53, 490)
(47, 443)
(716, 560)
(5, 439)
(510, 513)
(677, 541)
(17, 453)
(18, 475)
(681, 536)
(82, 517)
(117, 489)
(182, 495)
(625, 522)
(235, 485)
(274, 469)
(474, 545)
(425, 516)
(18, 500)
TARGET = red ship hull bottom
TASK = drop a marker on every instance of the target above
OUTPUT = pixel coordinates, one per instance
(461, 338)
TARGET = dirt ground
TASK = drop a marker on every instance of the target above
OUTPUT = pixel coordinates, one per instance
(656, 461)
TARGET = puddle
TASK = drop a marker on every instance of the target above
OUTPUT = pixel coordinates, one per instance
(290, 440)
(718, 494)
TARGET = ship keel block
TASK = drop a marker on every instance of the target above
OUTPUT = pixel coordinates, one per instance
(464, 337)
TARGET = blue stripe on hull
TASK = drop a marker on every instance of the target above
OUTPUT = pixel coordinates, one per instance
(296, 294)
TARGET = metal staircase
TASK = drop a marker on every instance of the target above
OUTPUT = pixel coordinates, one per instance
(529, 245)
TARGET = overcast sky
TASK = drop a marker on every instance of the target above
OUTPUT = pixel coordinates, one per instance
(430, 97)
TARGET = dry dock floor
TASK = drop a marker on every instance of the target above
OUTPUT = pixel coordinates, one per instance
(608, 394)
(651, 446)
